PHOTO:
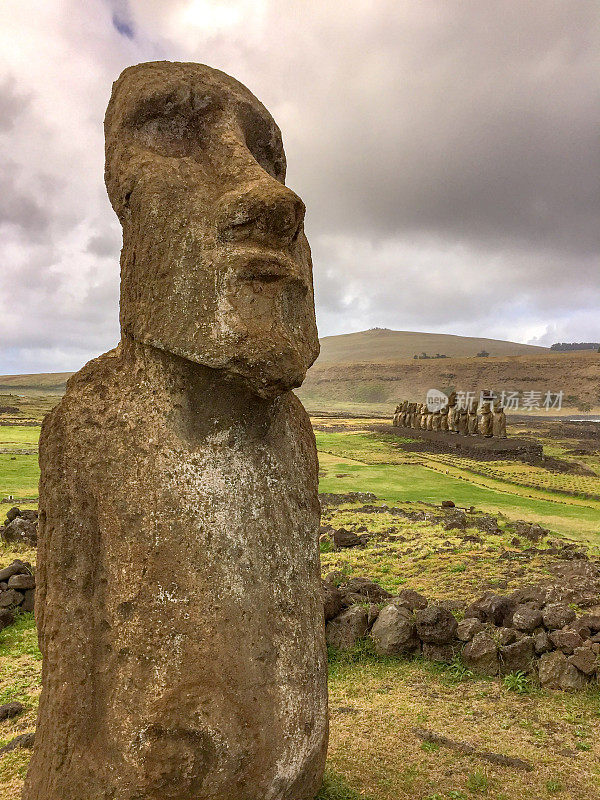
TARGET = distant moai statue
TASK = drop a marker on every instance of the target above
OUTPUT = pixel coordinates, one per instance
(452, 408)
(485, 420)
(499, 424)
(463, 421)
(429, 420)
(396, 417)
(473, 418)
(436, 425)
(178, 605)
(444, 418)
(413, 415)
(404, 414)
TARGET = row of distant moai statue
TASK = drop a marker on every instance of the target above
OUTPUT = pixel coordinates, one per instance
(475, 419)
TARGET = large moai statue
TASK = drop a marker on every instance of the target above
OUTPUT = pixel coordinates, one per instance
(179, 606)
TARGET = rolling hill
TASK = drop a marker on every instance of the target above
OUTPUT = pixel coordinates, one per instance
(380, 344)
(369, 371)
(50, 382)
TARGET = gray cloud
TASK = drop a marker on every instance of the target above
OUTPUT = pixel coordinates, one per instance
(447, 153)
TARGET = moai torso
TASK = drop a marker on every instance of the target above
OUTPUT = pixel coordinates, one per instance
(179, 607)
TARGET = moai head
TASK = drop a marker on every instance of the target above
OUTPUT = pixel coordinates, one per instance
(215, 266)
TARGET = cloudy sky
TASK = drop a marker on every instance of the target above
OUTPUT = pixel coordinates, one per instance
(447, 152)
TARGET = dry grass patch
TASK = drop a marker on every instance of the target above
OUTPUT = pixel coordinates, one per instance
(377, 704)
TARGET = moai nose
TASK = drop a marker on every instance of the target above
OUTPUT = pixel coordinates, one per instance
(264, 211)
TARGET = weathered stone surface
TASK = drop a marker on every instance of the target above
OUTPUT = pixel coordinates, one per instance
(332, 600)
(555, 672)
(347, 628)
(179, 606)
(527, 619)
(566, 640)
(16, 568)
(10, 710)
(21, 582)
(10, 598)
(394, 631)
(343, 538)
(591, 621)
(467, 628)
(23, 740)
(435, 625)
(496, 609)
(20, 531)
(13, 513)
(411, 599)
(584, 659)
(557, 615)
(517, 657)
(481, 655)
(542, 643)
(504, 636)
(366, 589)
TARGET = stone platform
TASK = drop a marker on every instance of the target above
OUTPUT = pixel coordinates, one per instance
(472, 445)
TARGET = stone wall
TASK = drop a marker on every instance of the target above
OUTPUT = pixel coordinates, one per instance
(527, 632)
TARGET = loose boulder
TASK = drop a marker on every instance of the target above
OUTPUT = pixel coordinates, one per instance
(436, 625)
(467, 628)
(347, 628)
(526, 619)
(566, 640)
(584, 659)
(481, 655)
(557, 615)
(394, 632)
(332, 600)
(517, 657)
(555, 672)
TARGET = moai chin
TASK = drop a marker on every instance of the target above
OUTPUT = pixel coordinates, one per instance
(179, 606)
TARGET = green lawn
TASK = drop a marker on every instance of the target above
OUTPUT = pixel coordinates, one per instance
(19, 437)
(19, 475)
(410, 480)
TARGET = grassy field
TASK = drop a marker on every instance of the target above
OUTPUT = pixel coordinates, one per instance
(358, 460)
(378, 706)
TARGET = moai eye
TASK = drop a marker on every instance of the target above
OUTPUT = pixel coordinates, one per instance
(263, 140)
(171, 126)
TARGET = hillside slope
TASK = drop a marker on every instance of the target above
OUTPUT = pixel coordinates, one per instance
(377, 386)
(53, 382)
(381, 344)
